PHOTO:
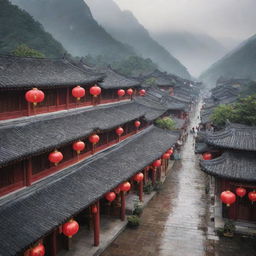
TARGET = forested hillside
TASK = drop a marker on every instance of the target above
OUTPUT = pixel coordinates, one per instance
(72, 23)
(18, 27)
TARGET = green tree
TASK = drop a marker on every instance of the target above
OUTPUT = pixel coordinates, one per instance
(150, 81)
(18, 27)
(165, 123)
(24, 51)
(221, 114)
(243, 112)
(134, 66)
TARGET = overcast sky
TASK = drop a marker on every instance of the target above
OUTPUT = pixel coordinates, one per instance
(219, 18)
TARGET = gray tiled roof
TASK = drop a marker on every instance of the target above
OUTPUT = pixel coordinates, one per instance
(17, 72)
(86, 181)
(114, 80)
(240, 166)
(38, 135)
(234, 136)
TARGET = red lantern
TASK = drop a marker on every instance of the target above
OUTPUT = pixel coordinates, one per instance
(94, 139)
(95, 91)
(129, 92)
(252, 196)
(70, 228)
(241, 192)
(137, 124)
(126, 186)
(121, 92)
(38, 250)
(139, 177)
(157, 163)
(142, 92)
(207, 156)
(34, 96)
(110, 196)
(94, 209)
(78, 92)
(55, 157)
(170, 151)
(119, 131)
(166, 156)
(227, 197)
(79, 146)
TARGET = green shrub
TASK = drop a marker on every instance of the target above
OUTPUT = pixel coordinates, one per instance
(148, 188)
(229, 227)
(165, 123)
(137, 208)
(25, 51)
(133, 221)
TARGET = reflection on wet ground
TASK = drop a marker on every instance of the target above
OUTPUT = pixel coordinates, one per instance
(175, 222)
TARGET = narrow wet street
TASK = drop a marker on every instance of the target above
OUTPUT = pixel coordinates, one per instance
(174, 223)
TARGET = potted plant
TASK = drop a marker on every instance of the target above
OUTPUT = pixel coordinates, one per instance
(137, 208)
(148, 188)
(229, 229)
(133, 221)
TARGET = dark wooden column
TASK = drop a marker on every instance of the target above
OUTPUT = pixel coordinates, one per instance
(54, 243)
(29, 172)
(145, 172)
(96, 225)
(93, 148)
(29, 108)
(154, 170)
(123, 206)
(141, 191)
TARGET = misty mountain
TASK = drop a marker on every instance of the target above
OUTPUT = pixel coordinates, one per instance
(123, 26)
(71, 22)
(196, 51)
(239, 63)
(18, 27)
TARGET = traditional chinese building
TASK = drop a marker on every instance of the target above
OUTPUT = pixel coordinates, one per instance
(226, 92)
(176, 86)
(230, 159)
(72, 142)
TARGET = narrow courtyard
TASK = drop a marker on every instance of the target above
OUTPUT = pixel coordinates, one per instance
(176, 221)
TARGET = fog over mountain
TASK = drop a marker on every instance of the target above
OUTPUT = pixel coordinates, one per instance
(239, 63)
(124, 26)
(196, 51)
(229, 22)
(219, 18)
(71, 22)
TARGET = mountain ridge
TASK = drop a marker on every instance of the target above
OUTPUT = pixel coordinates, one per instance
(124, 26)
(238, 63)
(74, 26)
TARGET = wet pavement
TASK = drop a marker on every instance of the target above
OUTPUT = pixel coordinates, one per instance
(175, 221)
